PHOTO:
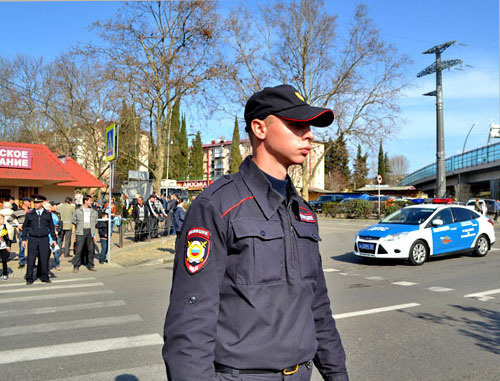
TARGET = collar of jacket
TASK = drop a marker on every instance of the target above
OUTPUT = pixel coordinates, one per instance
(266, 197)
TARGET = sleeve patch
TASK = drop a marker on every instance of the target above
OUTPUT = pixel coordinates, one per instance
(197, 249)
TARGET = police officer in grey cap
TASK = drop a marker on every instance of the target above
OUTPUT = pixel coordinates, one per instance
(249, 298)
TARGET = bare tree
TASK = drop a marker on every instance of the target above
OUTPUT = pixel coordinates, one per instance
(159, 51)
(360, 76)
(399, 167)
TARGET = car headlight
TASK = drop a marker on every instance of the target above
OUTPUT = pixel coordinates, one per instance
(395, 237)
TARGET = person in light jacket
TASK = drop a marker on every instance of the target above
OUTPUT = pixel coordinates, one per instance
(85, 220)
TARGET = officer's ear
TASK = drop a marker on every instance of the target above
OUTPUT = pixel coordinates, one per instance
(259, 129)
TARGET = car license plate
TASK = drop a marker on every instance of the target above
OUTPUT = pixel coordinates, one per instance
(366, 246)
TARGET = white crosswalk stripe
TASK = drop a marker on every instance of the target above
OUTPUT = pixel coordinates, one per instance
(28, 289)
(78, 348)
(484, 295)
(72, 307)
(54, 296)
(68, 306)
(68, 325)
(23, 284)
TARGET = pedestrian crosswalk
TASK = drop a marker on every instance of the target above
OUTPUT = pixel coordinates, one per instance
(74, 322)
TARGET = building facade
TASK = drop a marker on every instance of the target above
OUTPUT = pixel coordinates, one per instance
(217, 162)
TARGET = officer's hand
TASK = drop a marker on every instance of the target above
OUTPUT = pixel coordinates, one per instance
(24, 244)
(53, 244)
(8, 249)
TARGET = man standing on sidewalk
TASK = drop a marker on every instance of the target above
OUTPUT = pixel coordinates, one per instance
(36, 229)
(66, 210)
(85, 220)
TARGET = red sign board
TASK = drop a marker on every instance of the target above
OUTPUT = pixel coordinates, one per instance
(194, 184)
(13, 157)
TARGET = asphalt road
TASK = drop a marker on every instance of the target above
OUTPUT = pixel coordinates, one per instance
(439, 321)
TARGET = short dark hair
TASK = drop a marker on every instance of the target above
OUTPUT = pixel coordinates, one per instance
(68, 200)
(86, 197)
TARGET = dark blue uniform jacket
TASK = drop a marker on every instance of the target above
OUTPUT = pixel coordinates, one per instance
(248, 288)
(38, 226)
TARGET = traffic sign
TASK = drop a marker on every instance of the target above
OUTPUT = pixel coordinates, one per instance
(379, 179)
(111, 142)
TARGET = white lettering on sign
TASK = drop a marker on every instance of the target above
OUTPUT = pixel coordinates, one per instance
(15, 157)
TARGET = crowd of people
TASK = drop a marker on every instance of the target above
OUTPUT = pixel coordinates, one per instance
(148, 214)
(43, 228)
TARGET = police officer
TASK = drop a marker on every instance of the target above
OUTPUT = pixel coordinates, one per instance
(249, 298)
(37, 226)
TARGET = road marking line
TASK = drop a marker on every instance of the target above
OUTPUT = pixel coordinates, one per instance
(51, 288)
(54, 296)
(53, 281)
(440, 289)
(68, 325)
(152, 372)
(78, 348)
(375, 310)
(404, 283)
(483, 296)
(330, 270)
(73, 307)
(374, 278)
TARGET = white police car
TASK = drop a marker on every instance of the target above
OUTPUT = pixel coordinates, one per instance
(419, 231)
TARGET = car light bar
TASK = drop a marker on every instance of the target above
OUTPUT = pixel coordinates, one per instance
(448, 200)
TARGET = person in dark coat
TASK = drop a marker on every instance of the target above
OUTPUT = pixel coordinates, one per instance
(249, 299)
(102, 227)
(37, 226)
(141, 216)
(178, 218)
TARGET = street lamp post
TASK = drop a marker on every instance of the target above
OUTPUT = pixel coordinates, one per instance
(462, 161)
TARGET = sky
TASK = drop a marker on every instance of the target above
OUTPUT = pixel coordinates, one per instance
(469, 95)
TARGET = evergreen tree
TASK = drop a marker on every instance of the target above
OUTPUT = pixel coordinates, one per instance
(388, 170)
(183, 156)
(337, 158)
(381, 162)
(235, 148)
(172, 146)
(129, 133)
(196, 159)
(360, 169)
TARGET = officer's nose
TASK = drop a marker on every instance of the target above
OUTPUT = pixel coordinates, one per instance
(308, 134)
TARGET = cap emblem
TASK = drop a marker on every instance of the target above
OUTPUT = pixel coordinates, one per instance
(299, 96)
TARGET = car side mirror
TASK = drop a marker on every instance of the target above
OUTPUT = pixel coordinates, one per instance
(437, 222)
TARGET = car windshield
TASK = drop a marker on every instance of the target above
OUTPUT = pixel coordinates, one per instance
(324, 198)
(408, 216)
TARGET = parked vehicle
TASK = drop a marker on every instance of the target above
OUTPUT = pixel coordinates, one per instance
(317, 205)
(490, 204)
(418, 232)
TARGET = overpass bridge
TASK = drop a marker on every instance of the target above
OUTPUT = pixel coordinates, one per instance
(467, 174)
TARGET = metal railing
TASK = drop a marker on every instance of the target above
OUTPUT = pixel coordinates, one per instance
(476, 157)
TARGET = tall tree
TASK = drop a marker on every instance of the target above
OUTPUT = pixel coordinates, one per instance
(183, 157)
(235, 148)
(129, 134)
(399, 167)
(172, 151)
(337, 158)
(360, 169)
(297, 42)
(381, 162)
(196, 158)
(159, 51)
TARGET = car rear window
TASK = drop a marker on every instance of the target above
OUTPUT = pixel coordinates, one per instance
(464, 214)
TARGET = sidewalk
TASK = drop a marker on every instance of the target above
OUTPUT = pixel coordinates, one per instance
(157, 251)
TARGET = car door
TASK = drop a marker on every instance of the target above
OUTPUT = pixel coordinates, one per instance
(445, 238)
(468, 226)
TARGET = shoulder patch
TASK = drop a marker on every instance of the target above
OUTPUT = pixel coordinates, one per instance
(197, 249)
(306, 215)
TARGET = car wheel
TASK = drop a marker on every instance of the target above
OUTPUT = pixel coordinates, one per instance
(482, 246)
(418, 253)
